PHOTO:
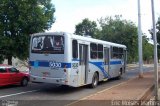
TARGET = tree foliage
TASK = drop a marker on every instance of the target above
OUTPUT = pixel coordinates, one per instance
(147, 50)
(158, 37)
(86, 27)
(158, 32)
(19, 19)
(116, 30)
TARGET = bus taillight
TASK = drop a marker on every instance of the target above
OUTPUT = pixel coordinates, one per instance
(65, 70)
(65, 66)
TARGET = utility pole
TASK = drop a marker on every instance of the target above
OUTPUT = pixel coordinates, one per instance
(155, 53)
(140, 42)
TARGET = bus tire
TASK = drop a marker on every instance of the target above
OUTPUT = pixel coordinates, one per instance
(120, 74)
(94, 80)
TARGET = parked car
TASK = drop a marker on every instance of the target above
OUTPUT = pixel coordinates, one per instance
(9, 75)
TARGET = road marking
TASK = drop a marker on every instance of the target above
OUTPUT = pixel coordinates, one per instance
(100, 92)
(18, 93)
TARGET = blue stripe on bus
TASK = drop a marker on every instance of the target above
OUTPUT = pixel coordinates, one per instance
(115, 62)
(46, 64)
(31, 63)
(111, 62)
(68, 65)
(100, 65)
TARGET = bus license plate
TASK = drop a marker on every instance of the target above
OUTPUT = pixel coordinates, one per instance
(46, 74)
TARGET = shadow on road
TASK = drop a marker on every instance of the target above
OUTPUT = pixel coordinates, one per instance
(9, 87)
(62, 89)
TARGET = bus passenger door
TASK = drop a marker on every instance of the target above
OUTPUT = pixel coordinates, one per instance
(83, 63)
(106, 60)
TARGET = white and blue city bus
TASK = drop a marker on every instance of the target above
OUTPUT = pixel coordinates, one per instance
(68, 59)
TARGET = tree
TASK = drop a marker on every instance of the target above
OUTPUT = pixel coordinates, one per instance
(86, 27)
(120, 31)
(158, 36)
(117, 30)
(158, 32)
(19, 19)
(147, 50)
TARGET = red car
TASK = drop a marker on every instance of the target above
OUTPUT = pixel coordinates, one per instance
(10, 75)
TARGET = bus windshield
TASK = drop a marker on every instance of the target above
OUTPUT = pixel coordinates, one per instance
(48, 44)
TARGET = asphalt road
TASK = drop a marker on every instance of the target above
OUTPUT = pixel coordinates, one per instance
(42, 94)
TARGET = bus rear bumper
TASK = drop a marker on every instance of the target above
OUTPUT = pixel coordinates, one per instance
(60, 81)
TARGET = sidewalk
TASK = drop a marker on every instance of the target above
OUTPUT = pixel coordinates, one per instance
(125, 94)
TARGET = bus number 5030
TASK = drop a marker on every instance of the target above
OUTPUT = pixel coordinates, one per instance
(55, 64)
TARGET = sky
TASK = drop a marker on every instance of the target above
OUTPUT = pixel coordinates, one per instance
(71, 12)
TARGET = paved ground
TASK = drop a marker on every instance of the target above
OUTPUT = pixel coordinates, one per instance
(125, 94)
(127, 91)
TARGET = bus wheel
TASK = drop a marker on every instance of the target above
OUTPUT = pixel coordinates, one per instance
(94, 80)
(120, 74)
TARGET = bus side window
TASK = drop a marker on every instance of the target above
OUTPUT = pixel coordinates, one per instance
(117, 53)
(114, 53)
(74, 49)
(100, 51)
(121, 53)
(93, 50)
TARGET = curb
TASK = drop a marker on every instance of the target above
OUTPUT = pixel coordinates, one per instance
(84, 98)
(147, 95)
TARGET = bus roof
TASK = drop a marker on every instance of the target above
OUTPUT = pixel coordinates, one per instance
(97, 41)
(73, 36)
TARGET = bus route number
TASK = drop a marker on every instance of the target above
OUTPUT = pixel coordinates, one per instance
(53, 64)
(75, 65)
